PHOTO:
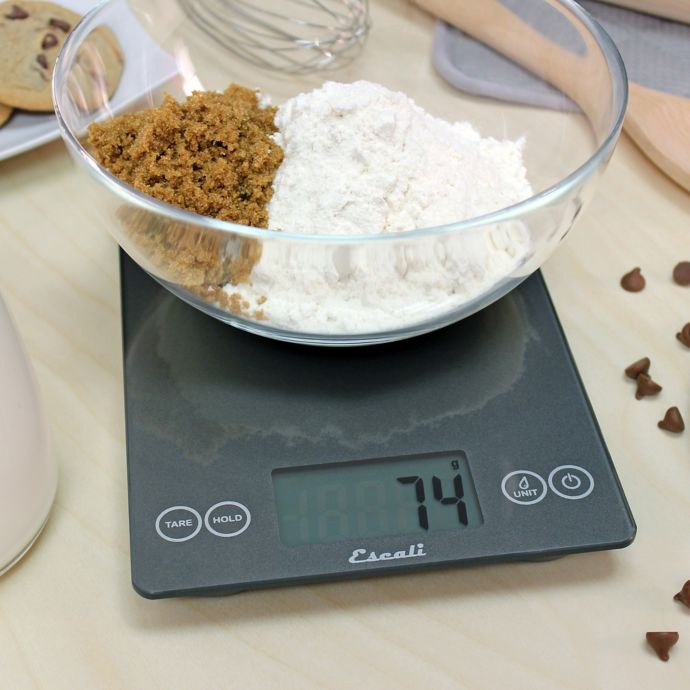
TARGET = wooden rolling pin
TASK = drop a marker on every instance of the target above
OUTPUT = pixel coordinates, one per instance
(659, 123)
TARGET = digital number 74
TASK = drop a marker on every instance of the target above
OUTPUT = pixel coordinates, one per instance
(456, 499)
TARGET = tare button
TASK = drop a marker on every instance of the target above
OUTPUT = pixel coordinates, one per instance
(523, 487)
(227, 519)
(179, 523)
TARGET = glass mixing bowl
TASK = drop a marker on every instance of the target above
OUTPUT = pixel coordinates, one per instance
(353, 289)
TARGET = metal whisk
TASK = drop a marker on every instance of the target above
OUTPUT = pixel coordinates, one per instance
(286, 35)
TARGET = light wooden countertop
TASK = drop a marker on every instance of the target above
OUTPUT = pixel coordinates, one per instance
(69, 618)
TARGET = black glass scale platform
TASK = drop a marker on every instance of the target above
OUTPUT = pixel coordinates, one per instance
(255, 463)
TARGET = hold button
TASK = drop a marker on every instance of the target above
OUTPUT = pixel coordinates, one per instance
(227, 519)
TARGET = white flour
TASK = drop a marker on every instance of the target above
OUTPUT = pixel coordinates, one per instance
(360, 159)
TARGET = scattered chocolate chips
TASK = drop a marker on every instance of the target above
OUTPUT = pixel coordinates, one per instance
(684, 595)
(633, 281)
(17, 12)
(42, 60)
(684, 335)
(681, 273)
(661, 642)
(50, 41)
(645, 386)
(672, 421)
(60, 24)
(637, 368)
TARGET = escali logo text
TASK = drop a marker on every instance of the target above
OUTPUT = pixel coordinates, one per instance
(362, 556)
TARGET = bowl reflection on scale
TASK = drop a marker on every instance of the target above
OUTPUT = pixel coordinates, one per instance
(199, 386)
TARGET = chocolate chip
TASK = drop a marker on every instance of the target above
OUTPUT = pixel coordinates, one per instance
(684, 595)
(17, 12)
(645, 386)
(637, 368)
(60, 24)
(661, 642)
(672, 421)
(681, 273)
(684, 335)
(42, 60)
(633, 281)
(50, 41)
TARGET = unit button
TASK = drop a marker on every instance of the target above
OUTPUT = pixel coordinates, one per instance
(523, 487)
(178, 523)
(571, 481)
(227, 519)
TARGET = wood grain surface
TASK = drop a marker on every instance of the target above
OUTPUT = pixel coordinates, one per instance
(69, 618)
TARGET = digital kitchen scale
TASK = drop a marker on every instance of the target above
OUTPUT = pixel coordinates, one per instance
(255, 463)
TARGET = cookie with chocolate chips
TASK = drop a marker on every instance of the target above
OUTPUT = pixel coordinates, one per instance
(31, 36)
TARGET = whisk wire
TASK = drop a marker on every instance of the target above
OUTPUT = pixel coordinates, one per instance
(256, 12)
(322, 35)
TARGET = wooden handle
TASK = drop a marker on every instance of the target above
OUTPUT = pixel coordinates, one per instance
(659, 123)
(671, 9)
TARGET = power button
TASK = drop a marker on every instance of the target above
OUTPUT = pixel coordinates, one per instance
(571, 482)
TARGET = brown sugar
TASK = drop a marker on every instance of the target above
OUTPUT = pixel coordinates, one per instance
(213, 155)
(187, 254)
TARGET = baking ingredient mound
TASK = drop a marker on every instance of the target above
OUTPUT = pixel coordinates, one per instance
(212, 154)
(360, 159)
(341, 160)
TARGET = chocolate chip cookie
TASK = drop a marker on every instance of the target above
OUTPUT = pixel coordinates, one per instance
(31, 36)
(5, 113)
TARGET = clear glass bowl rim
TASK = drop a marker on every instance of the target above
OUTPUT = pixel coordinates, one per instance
(133, 196)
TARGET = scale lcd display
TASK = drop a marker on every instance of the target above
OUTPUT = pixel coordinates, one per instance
(375, 498)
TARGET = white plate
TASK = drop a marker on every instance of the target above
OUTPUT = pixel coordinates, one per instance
(26, 131)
